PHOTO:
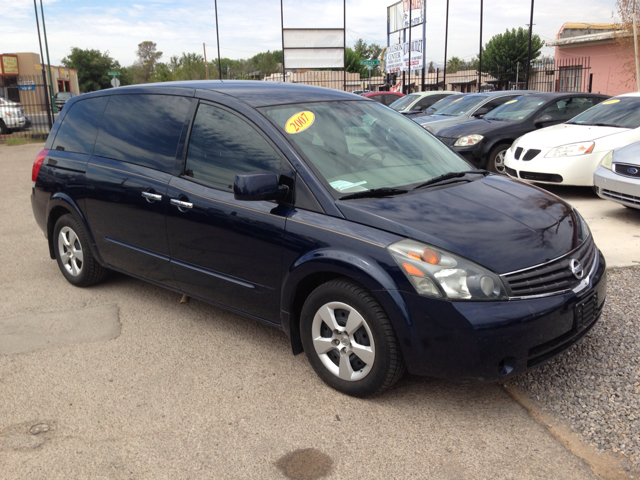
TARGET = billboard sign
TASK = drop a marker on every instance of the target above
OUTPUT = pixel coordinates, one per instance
(399, 13)
(397, 57)
(9, 65)
(313, 47)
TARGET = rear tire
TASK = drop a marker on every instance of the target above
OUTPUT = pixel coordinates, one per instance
(74, 257)
(495, 162)
(3, 128)
(349, 341)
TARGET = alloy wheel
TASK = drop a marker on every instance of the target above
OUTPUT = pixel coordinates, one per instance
(70, 250)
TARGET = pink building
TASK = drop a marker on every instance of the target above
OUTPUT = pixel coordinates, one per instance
(611, 66)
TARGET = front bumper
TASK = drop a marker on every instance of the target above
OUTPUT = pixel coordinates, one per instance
(484, 341)
(617, 188)
(577, 170)
(15, 121)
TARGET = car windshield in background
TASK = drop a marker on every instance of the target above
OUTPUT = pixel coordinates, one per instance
(516, 109)
(358, 146)
(623, 112)
(63, 95)
(404, 102)
(461, 105)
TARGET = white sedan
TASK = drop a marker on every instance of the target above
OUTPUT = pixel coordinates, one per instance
(569, 153)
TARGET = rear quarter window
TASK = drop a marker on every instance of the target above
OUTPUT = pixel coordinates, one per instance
(79, 128)
(143, 129)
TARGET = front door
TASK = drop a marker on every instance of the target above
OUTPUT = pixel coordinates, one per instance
(224, 250)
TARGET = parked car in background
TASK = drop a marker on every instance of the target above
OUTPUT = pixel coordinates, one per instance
(61, 98)
(440, 104)
(465, 108)
(618, 176)
(325, 215)
(485, 141)
(385, 98)
(569, 153)
(360, 92)
(11, 116)
(415, 104)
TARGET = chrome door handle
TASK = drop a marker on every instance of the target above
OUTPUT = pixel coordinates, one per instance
(152, 196)
(181, 204)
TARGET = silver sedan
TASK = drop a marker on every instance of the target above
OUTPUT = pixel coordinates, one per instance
(618, 176)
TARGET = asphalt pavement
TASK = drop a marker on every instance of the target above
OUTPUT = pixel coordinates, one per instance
(187, 390)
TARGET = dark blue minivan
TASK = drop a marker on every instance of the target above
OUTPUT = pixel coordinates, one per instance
(373, 246)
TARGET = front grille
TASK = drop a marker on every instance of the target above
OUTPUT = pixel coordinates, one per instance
(585, 311)
(627, 170)
(541, 177)
(510, 171)
(531, 154)
(620, 196)
(552, 277)
(518, 153)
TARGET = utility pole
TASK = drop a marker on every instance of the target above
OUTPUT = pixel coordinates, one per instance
(635, 47)
(46, 46)
(206, 65)
(529, 52)
(446, 38)
(44, 75)
(218, 41)
(480, 52)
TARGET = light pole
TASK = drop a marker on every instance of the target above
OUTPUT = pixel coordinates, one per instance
(44, 75)
(446, 38)
(46, 46)
(480, 53)
(529, 51)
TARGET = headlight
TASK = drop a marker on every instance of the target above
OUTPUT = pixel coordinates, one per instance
(436, 273)
(468, 140)
(513, 145)
(607, 160)
(572, 150)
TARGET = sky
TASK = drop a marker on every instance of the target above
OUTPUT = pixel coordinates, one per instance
(252, 26)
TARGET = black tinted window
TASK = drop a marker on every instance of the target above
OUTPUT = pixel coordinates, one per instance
(80, 126)
(567, 108)
(223, 145)
(143, 129)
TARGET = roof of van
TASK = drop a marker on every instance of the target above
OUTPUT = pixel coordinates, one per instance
(254, 93)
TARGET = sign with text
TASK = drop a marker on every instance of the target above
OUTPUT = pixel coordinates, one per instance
(370, 63)
(9, 65)
(398, 57)
(398, 14)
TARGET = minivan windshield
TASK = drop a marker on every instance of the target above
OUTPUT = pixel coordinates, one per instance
(623, 112)
(356, 146)
(462, 105)
(64, 95)
(404, 102)
(516, 109)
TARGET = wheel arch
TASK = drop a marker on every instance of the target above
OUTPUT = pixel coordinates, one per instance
(490, 147)
(61, 204)
(319, 267)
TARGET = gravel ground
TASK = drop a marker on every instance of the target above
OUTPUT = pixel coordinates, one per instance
(595, 386)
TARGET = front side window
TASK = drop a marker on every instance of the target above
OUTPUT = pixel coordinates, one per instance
(222, 145)
(357, 146)
(567, 108)
(404, 102)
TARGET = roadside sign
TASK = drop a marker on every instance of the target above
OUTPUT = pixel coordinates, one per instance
(115, 82)
(370, 62)
(113, 74)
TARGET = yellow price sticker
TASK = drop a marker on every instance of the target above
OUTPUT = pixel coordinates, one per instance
(510, 101)
(299, 122)
(609, 102)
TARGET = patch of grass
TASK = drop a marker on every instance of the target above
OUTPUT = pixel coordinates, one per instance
(12, 142)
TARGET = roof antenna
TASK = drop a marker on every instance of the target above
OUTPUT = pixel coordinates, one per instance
(218, 41)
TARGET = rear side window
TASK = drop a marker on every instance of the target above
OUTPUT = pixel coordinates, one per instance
(143, 129)
(80, 126)
(223, 145)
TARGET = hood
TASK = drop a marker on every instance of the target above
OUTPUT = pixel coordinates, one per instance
(481, 127)
(438, 122)
(564, 134)
(496, 222)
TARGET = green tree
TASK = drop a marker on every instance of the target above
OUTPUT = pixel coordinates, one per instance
(455, 64)
(352, 65)
(509, 48)
(92, 67)
(368, 52)
(146, 62)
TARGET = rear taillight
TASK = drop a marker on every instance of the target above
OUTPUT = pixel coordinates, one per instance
(37, 164)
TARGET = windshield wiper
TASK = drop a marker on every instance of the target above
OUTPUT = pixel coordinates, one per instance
(450, 175)
(375, 192)
(598, 125)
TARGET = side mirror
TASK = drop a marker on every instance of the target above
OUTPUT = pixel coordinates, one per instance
(540, 121)
(481, 112)
(258, 186)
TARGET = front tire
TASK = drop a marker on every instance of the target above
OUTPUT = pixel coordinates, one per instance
(74, 257)
(349, 340)
(495, 163)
